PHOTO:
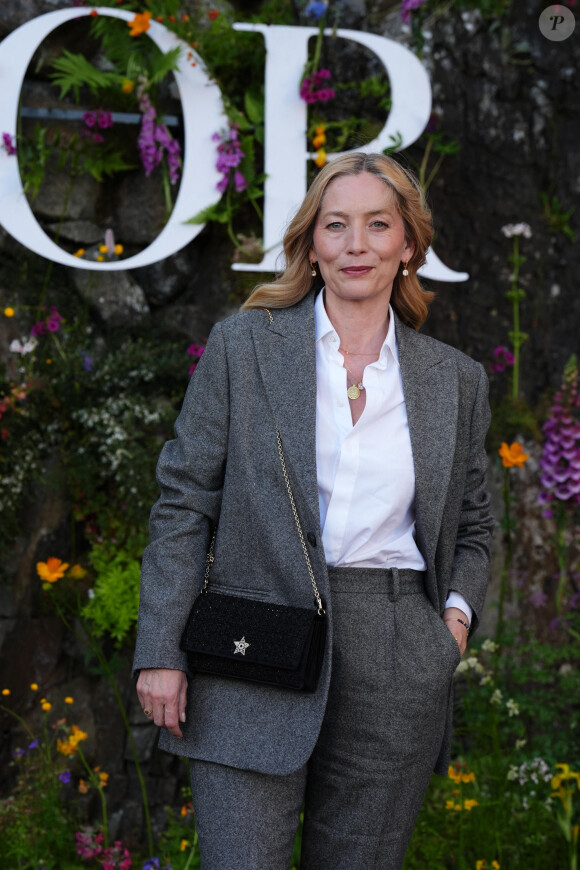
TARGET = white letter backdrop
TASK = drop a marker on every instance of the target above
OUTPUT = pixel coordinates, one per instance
(203, 115)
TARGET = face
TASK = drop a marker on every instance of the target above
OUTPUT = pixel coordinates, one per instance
(359, 240)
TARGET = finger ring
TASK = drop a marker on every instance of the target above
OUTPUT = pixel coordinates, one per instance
(147, 712)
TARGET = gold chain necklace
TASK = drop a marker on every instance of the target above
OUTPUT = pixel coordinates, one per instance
(354, 391)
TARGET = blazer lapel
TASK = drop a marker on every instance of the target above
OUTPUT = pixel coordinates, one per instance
(430, 387)
(286, 354)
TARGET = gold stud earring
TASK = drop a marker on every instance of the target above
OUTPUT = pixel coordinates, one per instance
(405, 270)
(312, 269)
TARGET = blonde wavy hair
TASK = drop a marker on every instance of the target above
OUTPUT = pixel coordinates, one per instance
(408, 297)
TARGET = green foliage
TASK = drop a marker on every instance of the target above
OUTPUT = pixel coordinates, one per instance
(557, 219)
(114, 604)
(73, 71)
(512, 418)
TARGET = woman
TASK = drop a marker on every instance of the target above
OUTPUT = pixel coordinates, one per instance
(383, 433)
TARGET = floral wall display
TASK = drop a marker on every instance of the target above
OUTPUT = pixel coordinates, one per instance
(94, 363)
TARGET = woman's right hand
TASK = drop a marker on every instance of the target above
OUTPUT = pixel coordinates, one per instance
(163, 696)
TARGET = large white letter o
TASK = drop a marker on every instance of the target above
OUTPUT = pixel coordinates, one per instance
(203, 115)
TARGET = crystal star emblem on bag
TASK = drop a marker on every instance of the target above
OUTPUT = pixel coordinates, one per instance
(241, 646)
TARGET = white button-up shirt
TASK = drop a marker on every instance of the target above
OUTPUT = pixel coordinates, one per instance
(366, 477)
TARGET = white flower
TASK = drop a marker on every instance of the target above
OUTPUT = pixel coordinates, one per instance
(23, 347)
(497, 697)
(517, 230)
(472, 662)
(512, 708)
(512, 773)
(520, 744)
(485, 680)
(489, 645)
(461, 667)
(91, 593)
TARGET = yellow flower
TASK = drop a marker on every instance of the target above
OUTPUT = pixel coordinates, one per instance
(513, 455)
(481, 864)
(320, 158)
(470, 803)
(79, 253)
(566, 775)
(48, 361)
(103, 779)
(64, 747)
(140, 24)
(6, 692)
(34, 687)
(183, 845)
(83, 787)
(320, 129)
(469, 776)
(119, 249)
(51, 570)
(46, 706)
(449, 805)
(69, 700)
(495, 865)
(77, 572)
(100, 258)
(128, 86)
(103, 249)
(319, 140)
(77, 735)
(8, 312)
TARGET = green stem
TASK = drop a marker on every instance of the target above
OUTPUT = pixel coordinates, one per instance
(424, 161)
(516, 319)
(96, 782)
(192, 851)
(110, 676)
(506, 566)
(562, 558)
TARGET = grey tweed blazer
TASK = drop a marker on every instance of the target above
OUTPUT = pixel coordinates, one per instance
(223, 468)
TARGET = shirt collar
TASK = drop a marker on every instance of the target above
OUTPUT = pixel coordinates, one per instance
(323, 327)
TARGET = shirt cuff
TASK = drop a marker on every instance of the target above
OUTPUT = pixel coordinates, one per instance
(454, 599)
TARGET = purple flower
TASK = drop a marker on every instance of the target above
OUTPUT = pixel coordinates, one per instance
(407, 7)
(230, 155)
(8, 143)
(96, 137)
(311, 90)
(87, 361)
(65, 776)
(316, 9)
(90, 119)
(240, 182)
(151, 864)
(539, 599)
(38, 329)
(18, 753)
(104, 119)
(34, 744)
(560, 460)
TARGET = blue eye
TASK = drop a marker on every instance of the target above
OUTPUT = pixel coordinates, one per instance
(334, 225)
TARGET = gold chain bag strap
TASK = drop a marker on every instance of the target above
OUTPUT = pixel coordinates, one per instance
(239, 637)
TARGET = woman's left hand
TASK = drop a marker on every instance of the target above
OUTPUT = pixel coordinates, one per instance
(451, 617)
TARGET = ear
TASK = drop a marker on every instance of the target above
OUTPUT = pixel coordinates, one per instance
(312, 255)
(408, 250)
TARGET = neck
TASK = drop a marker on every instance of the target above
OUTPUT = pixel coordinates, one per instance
(362, 328)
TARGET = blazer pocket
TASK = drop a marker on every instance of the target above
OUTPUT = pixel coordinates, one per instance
(241, 591)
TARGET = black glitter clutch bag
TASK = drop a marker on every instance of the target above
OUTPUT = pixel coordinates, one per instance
(240, 637)
(247, 639)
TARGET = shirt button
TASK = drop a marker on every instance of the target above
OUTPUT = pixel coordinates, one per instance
(333, 339)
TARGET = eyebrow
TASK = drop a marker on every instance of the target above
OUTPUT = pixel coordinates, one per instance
(386, 210)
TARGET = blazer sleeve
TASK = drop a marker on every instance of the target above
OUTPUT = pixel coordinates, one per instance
(471, 564)
(190, 474)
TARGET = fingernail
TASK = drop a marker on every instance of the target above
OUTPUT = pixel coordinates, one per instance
(182, 717)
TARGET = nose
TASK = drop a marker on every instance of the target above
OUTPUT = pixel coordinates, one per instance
(356, 242)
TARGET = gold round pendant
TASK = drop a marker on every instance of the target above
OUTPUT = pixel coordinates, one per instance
(353, 392)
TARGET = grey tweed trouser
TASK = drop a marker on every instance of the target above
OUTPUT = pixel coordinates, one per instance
(363, 786)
